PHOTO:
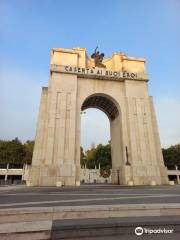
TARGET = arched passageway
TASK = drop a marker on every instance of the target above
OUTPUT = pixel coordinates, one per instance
(109, 106)
(103, 103)
(120, 89)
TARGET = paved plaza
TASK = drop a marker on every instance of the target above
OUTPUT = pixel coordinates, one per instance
(88, 212)
(22, 196)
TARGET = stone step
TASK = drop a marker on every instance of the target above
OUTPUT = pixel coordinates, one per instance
(91, 211)
(91, 229)
(34, 230)
(115, 228)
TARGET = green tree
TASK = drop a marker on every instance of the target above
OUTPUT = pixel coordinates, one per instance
(28, 148)
(103, 156)
(99, 155)
(90, 154)
(14, 152)
(11, 151)
(171, 155)
(83, 158)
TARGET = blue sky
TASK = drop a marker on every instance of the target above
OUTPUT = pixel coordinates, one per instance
(30, 28)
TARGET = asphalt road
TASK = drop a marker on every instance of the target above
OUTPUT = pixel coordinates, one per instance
(22, 196)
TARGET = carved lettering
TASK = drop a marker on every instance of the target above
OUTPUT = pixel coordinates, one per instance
(98, 71)
(67, 68)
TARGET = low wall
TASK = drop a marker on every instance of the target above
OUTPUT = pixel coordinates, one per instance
(93, 176)
(87, 175)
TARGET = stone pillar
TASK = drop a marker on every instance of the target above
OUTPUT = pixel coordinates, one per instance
(159, 157)
(146, 157)
(117, 151)
(53, 160)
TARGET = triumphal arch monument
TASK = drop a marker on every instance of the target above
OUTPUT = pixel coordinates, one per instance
(117, 85)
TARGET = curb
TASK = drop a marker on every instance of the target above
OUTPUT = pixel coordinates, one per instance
(90, 211)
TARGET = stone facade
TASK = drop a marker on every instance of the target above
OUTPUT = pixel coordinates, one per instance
(121, 91)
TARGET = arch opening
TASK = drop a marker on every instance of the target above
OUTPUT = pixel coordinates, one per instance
(111, 108)
(95, 150)
(103, 103)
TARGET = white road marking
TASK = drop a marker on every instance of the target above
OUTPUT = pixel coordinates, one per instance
(84, 200)
(73, 194)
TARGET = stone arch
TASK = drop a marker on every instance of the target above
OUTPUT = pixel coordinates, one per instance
(103, 102)
(74, 79)
(111, 108)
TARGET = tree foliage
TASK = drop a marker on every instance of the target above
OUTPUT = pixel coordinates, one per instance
(171, 155)
(15, 152)
(83, 158)
(100, 155)
(28, 147)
